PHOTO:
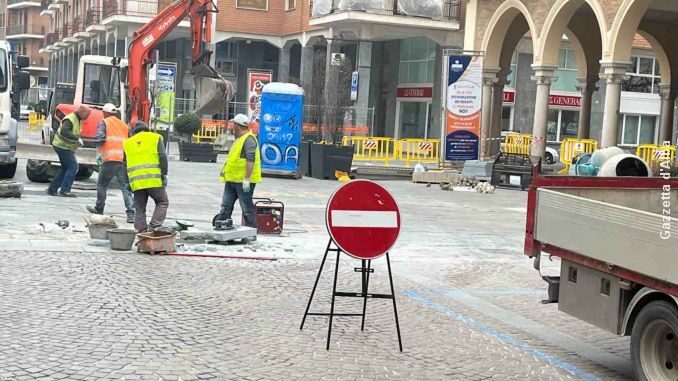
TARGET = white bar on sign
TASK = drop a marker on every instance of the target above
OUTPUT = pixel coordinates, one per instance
(364, 219)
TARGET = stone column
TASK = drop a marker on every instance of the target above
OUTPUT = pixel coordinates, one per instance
(306, 72)
(497, 110)
(543, 75)
(587, 85)
(668, 96)
(614, 73)
(364, 74)
(489, 80)
(284, 65)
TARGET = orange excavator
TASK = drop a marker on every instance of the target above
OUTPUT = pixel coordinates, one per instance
(212, 91)
(124, 82)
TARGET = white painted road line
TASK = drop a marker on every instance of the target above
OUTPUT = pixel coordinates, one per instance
(364, 219)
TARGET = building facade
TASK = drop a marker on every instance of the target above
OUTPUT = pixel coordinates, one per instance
(619, 55)
(105, 27)
(23, 26)
(391, 49)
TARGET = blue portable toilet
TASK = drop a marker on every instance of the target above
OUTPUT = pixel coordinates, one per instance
(280, 129)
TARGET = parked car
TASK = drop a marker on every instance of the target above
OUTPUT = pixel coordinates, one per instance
(551, 157)
(24, 111)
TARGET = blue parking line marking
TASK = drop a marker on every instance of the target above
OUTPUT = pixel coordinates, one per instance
(506, 339)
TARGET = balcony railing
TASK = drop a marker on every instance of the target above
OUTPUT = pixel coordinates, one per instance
(51, 38)
(93, 17)
(78, 25)
(66, 30)
(10, 2)
(448, 10)
(139, 8)
(14, 30)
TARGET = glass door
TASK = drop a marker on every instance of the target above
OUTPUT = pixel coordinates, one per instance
(414, 120)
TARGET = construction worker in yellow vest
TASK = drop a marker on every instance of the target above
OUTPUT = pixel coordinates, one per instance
(111, 134)
(241, 172)
(146, 163)
(66, 141)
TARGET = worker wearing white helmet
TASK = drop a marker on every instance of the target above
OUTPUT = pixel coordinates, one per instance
(241, 172)
(111, 134)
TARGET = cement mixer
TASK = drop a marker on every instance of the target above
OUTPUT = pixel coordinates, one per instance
(610, 162)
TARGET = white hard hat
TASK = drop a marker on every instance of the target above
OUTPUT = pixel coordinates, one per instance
(110, 108)
(241, 119)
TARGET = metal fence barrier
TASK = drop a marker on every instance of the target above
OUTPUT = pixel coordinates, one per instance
(571, 148)
(518, 143)
(418, 150)
(655, 153)
(369, 148)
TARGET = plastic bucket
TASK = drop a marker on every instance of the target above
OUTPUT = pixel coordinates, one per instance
(99, 231)
(121, 239)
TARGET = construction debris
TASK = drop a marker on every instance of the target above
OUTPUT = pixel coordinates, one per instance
(9, 188)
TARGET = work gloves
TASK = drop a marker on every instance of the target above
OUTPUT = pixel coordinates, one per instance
(100, 160)
(246, 185)
(81, 143)
(164, 181)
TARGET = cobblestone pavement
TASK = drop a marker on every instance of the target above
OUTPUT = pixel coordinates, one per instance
(468, 300)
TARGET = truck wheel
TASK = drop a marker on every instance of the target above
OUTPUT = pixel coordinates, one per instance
(7, 171)
(84, 173)
(37, 171)
(654, 343)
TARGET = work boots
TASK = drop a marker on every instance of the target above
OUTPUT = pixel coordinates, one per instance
(130, 217)
(94, 210)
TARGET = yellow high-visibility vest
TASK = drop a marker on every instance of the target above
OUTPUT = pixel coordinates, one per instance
(64, 142)
(235, 166)
(143, 161)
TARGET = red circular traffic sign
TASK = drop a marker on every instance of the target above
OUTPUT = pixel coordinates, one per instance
(363, 219)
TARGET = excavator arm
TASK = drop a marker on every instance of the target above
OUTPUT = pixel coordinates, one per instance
(212, 91)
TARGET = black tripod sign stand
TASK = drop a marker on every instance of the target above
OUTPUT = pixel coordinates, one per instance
(365, 270)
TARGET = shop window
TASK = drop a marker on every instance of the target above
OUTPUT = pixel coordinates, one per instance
(562, 124)
(414, 119)
(506, 116)
(261, 5)
(417, 60)
(644, 76)
(636, 129)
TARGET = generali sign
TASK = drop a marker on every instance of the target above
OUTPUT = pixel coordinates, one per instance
(564, 100)
(554, 100)
(415, 92)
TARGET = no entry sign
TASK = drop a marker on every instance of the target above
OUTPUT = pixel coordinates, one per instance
(363, 219)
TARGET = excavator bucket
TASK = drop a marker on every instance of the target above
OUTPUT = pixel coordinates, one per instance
(213, 92)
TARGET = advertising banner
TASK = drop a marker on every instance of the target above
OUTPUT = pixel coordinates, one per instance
(462, 107)
(281, 125)
(256, 80)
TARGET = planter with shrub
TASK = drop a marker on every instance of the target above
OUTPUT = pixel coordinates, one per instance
(186, 125)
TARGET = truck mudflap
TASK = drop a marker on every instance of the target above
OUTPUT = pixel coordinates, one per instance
(85, 156)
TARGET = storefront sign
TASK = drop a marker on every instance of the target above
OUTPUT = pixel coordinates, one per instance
(564, 101)
(414, 92)
(256, 80)
(509, 97)
(354, 86)
(462, 107)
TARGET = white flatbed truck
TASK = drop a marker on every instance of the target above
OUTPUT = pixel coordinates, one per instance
(617, 240)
